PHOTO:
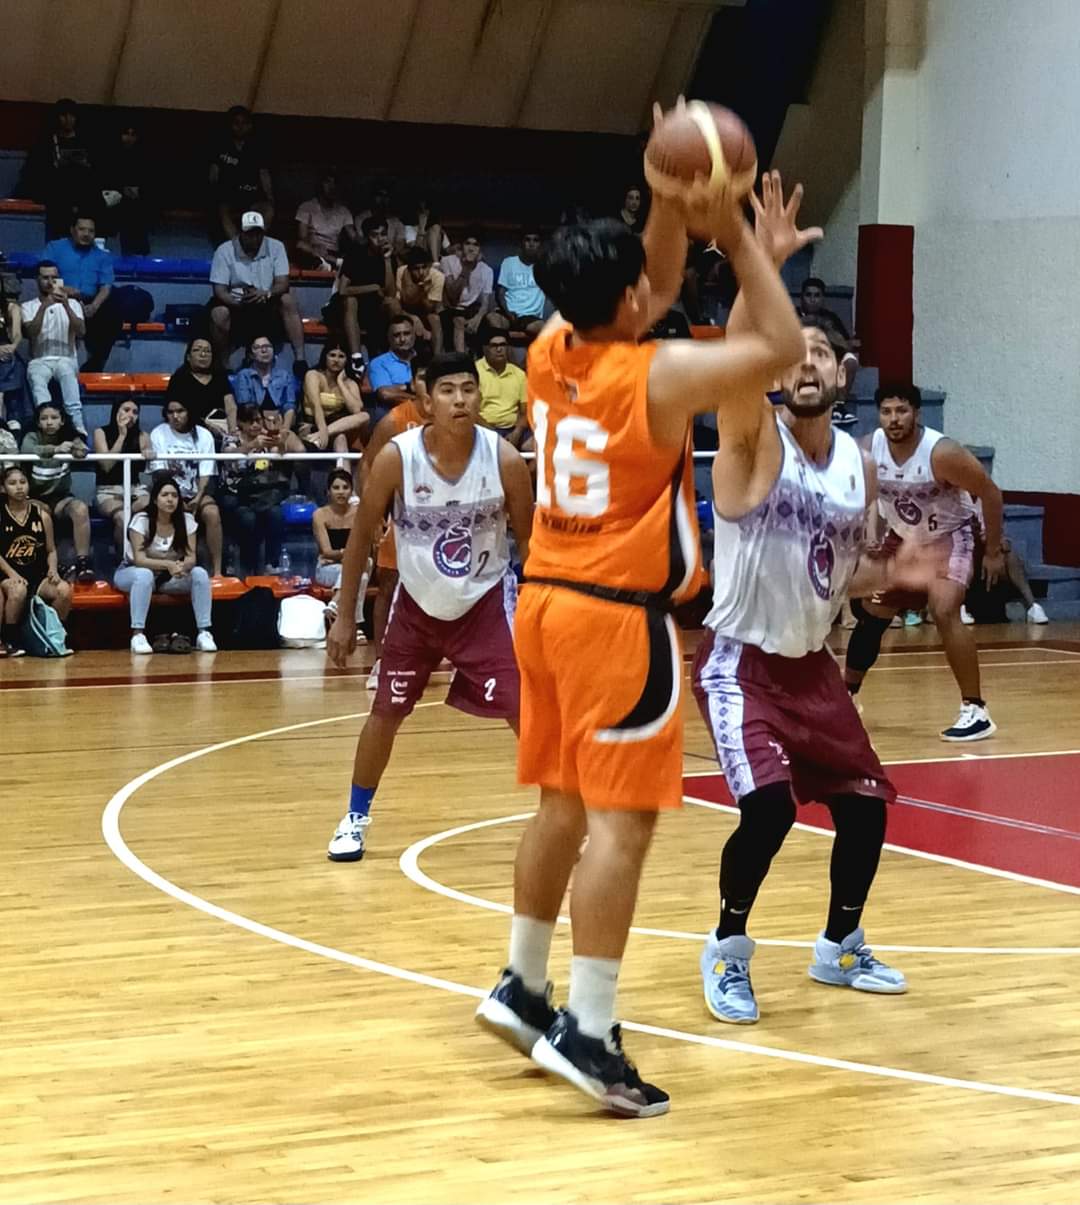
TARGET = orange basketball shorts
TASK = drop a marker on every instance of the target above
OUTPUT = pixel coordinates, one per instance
(601, 699)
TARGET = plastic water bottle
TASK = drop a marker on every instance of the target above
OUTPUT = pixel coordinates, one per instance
(284, 565)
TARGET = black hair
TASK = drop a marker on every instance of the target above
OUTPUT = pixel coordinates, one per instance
(82, 215)
(176, 401)
(132, 441)
(258, 335)
(180, 544)
(238, 111)
(65, 105)
(449, 364)
(527, 230)
(472, 232)
(586, 269)
(417, 257)
(813, 322)
(267, 405)
(338, 475)
(248, 412)
(191, 343)
(489, 332)
(370, 223)
(398, 320)
(812, 282)
(15, 467)
(47, 263)
(905, 391)
(67, 428)
(330, 345)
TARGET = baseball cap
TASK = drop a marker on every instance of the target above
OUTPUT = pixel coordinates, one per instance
(252, 220)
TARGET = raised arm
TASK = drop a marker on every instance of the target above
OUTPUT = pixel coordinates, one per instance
(383, 482)
(954, 465)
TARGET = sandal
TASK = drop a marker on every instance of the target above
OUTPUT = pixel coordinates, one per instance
(180, 644)
(161, 642)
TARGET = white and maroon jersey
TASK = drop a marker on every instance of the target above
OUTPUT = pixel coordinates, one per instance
(450, 535)
(782, 571)
(913, 503)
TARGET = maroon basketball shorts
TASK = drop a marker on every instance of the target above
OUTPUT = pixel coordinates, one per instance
(479, 645)
(962, 547)
(784, 719)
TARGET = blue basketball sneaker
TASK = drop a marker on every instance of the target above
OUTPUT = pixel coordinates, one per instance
(725, 975)
(851, 963)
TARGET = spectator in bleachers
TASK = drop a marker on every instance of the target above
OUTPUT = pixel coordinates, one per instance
(250, 276)
(127, 182)
(164, 545)
(180, 435)
(420, 288)
(278, 438)
(321, 223)
(364, 295)
(424, 231)
(331, 525)
(240, 174)
(50, 480)
(87, 272)
(812, 305)
(121, 434)
(263, 378)
(520, 299)
(502, 389)
(469, 289)
(8, 443)
(392, 375)
(334, 416)
(52, 322)
(12, 367)
(633, 209)
(382, 210)
(251, 494)
(27, 558)
(60, 170)
(203, 389)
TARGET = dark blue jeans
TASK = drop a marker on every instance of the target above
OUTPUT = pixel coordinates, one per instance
(251, 530)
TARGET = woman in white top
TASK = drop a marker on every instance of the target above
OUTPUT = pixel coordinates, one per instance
(177, 436)
(163, 546)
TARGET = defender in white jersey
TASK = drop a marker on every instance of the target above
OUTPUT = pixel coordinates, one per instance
(929, 491)
(791, 496)
(451, 485)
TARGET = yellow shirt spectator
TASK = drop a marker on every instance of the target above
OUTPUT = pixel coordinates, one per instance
(502, 394)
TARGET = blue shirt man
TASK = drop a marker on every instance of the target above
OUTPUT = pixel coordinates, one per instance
(87, 273)
(391, 374)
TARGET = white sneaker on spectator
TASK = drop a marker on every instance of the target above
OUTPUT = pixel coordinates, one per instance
(965, 615)
(1035, 614)
(373, 677)
(140, 645)
(204, 642)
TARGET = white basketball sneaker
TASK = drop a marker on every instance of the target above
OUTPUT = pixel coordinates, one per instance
(972, 724)
(347, 843)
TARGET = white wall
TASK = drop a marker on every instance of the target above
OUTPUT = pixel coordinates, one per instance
(997, 231)
(821, 140)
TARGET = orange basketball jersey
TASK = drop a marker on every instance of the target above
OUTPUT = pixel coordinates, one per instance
(614, 508)
(406, 415)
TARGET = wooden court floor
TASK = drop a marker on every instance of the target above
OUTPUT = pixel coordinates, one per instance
(198, 1006)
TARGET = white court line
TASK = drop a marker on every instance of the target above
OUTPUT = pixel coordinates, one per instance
(439, 677)
(409, 863)
(715, 772)
(915, 669)
(1027, 826)
(110, 827)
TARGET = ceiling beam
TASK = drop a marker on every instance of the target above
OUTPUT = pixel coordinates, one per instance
(539, 36)
(273, 12)
(399, 69)
(118, 57)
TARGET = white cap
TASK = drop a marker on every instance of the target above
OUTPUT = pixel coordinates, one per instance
(252, 220)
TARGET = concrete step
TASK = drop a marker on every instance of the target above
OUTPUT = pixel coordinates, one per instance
(1024, 527)
(1062, 581)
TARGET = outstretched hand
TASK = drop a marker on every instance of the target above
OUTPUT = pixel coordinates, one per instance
(775, 223)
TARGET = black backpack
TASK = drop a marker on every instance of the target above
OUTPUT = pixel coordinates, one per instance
(248, 622)
(132, 304)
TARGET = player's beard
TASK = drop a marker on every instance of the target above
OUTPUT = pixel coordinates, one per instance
(825, 403)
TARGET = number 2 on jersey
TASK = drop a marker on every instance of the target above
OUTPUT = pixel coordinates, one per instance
(582, 486)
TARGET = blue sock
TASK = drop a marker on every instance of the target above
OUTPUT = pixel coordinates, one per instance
(360, 800)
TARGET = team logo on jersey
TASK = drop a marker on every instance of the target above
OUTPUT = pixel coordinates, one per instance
(452, 551)
(820, 564)
(422, 491)
(909, 511)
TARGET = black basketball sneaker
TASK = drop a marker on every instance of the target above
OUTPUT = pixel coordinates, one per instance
(515, 1014)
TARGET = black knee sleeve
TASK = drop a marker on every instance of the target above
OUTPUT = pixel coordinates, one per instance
(865, 643)
(765, 818)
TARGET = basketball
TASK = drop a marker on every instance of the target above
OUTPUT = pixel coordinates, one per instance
(704, 145)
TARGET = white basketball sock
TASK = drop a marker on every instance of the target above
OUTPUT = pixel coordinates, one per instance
(593, 984)
(530, 945)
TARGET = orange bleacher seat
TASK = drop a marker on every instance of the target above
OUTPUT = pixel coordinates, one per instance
(315, 274)
(314, 328)
(145, 328)
(20, 205)
(104, 596)
(707, 332)
(106, 382)
(149, 382)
